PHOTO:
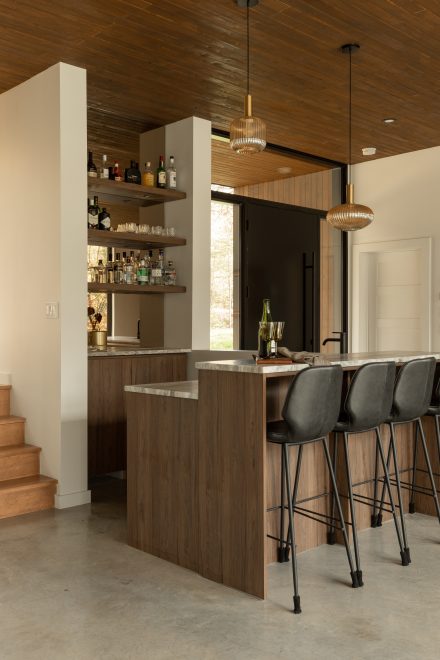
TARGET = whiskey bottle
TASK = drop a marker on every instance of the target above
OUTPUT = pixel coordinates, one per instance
(104, 220)
(263, 338)
(103, 172)
(148, 176)
(171, 175)
(91, 167)
(93, 213)
(161, 174)
(117, 172)
(132, 173)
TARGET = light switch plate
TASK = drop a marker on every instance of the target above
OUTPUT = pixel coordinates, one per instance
(52, 310)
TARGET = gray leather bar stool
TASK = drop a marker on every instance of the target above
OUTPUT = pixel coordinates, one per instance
(433, 411)
(411, 399)
(310, 411)
(367, 405)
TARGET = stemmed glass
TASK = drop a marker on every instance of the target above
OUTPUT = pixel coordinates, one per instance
(275, 334)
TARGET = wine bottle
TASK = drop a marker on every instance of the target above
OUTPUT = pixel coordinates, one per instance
(91, 167)
(104, 220)
(161, 174)
(93, 213)
(148, 176)
(103, 172)
(171, 175)
(263, 339)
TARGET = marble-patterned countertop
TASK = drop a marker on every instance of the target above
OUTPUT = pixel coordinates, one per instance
(133, 350)
(184, 389)
(347, 360)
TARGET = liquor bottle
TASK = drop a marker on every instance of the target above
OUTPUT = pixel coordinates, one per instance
(102, 279)
(132, 173)
(91, 273)
(91, 167)
(117, 172)
(118, 270)
(128, 271)
(263, 339)
(156, 272)
(103, 172)
(171, 175)
(93, 213)
(142, 273)
(148, 176)
(104, 220)
(110, 273)
(134, 262)
(111, 175)
(170, 274)
(149, 264)
(161, 174)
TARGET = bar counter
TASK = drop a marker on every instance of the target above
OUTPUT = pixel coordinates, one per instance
(201, 474)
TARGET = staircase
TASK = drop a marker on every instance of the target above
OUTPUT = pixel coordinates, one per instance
(22, 488)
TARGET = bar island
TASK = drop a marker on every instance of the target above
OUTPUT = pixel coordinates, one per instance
(201, 475)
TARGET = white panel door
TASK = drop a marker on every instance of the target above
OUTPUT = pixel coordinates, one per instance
(391, 296)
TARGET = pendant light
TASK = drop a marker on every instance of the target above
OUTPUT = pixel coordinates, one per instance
(350, 216)
(248, 133)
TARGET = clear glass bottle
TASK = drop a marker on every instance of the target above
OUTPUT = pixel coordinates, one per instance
(170, 276)
(148, 176)
(149, 264)
(91, 273)
(156, 272)
(128, 269)
(263, 340)
(102, 276)
(110, 273)
(118, 269)
(171, 175)
(103, 171)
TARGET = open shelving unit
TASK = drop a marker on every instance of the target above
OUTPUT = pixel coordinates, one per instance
(119, 192)
(95, 287)
(131, 240)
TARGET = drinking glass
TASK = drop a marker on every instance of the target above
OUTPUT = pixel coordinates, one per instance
(275, 334)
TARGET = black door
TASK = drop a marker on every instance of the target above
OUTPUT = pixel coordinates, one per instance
(280, 260)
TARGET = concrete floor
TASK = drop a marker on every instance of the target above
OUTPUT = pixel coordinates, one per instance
(72, 589)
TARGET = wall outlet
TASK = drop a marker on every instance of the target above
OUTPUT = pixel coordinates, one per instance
(52, 310)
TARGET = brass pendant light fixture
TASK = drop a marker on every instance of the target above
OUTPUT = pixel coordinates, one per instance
(248, 133)
(350, 216)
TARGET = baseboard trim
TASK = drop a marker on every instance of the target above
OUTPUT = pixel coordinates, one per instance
(72, 499)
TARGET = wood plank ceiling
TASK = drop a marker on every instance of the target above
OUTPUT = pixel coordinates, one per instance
(154, 62)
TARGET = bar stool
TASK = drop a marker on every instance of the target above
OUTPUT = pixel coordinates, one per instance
(310, 411)
(367, 405)
(433, 411)
(412, 395)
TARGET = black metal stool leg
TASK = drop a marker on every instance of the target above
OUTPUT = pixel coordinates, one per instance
(404, 551)
(331, 535)
(399, 495)
(428, 465)
(353, 572)
(295, 490)
(283, 547)
(352, 512)
(412, 504)
(296, 597)
(376, 474)
(382, 497)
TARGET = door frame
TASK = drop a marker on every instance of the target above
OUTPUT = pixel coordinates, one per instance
(360, 293)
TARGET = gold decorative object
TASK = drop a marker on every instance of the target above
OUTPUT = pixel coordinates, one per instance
(248, 133)
(350, 216)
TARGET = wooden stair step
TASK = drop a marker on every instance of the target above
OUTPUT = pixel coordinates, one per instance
(5, 400)
(19, 461)
(26, 495)
(11, 430)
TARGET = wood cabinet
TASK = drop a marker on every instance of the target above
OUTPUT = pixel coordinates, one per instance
(106, 402)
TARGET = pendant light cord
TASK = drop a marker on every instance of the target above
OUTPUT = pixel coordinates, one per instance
(349, 123)
(247, 23)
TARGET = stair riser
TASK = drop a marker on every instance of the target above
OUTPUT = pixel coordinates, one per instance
(19, 502)
(5, 405)
(11, 434)
(16, 466)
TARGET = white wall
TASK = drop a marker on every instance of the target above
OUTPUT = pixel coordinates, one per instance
(404, 193)
(43, 137)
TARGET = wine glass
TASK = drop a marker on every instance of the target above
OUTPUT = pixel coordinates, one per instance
(275, 332)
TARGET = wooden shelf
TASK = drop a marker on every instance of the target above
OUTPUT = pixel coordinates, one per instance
(130, 240)
(133, 288)
(119, 192)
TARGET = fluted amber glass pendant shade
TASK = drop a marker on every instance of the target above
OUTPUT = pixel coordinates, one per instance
(248, 133)
(350, 216)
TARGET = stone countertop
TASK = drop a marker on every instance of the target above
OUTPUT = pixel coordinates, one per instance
(184, 389)
(133, 350)
(347, 360)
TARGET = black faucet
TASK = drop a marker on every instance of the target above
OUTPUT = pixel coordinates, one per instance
(342, 340)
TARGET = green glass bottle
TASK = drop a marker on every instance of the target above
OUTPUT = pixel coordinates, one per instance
(263, 339)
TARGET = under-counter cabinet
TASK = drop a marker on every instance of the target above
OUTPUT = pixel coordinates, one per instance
(108, 374)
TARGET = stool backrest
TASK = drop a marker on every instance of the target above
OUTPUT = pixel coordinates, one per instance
(370, 395)
(413, 389)
(312, 403)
